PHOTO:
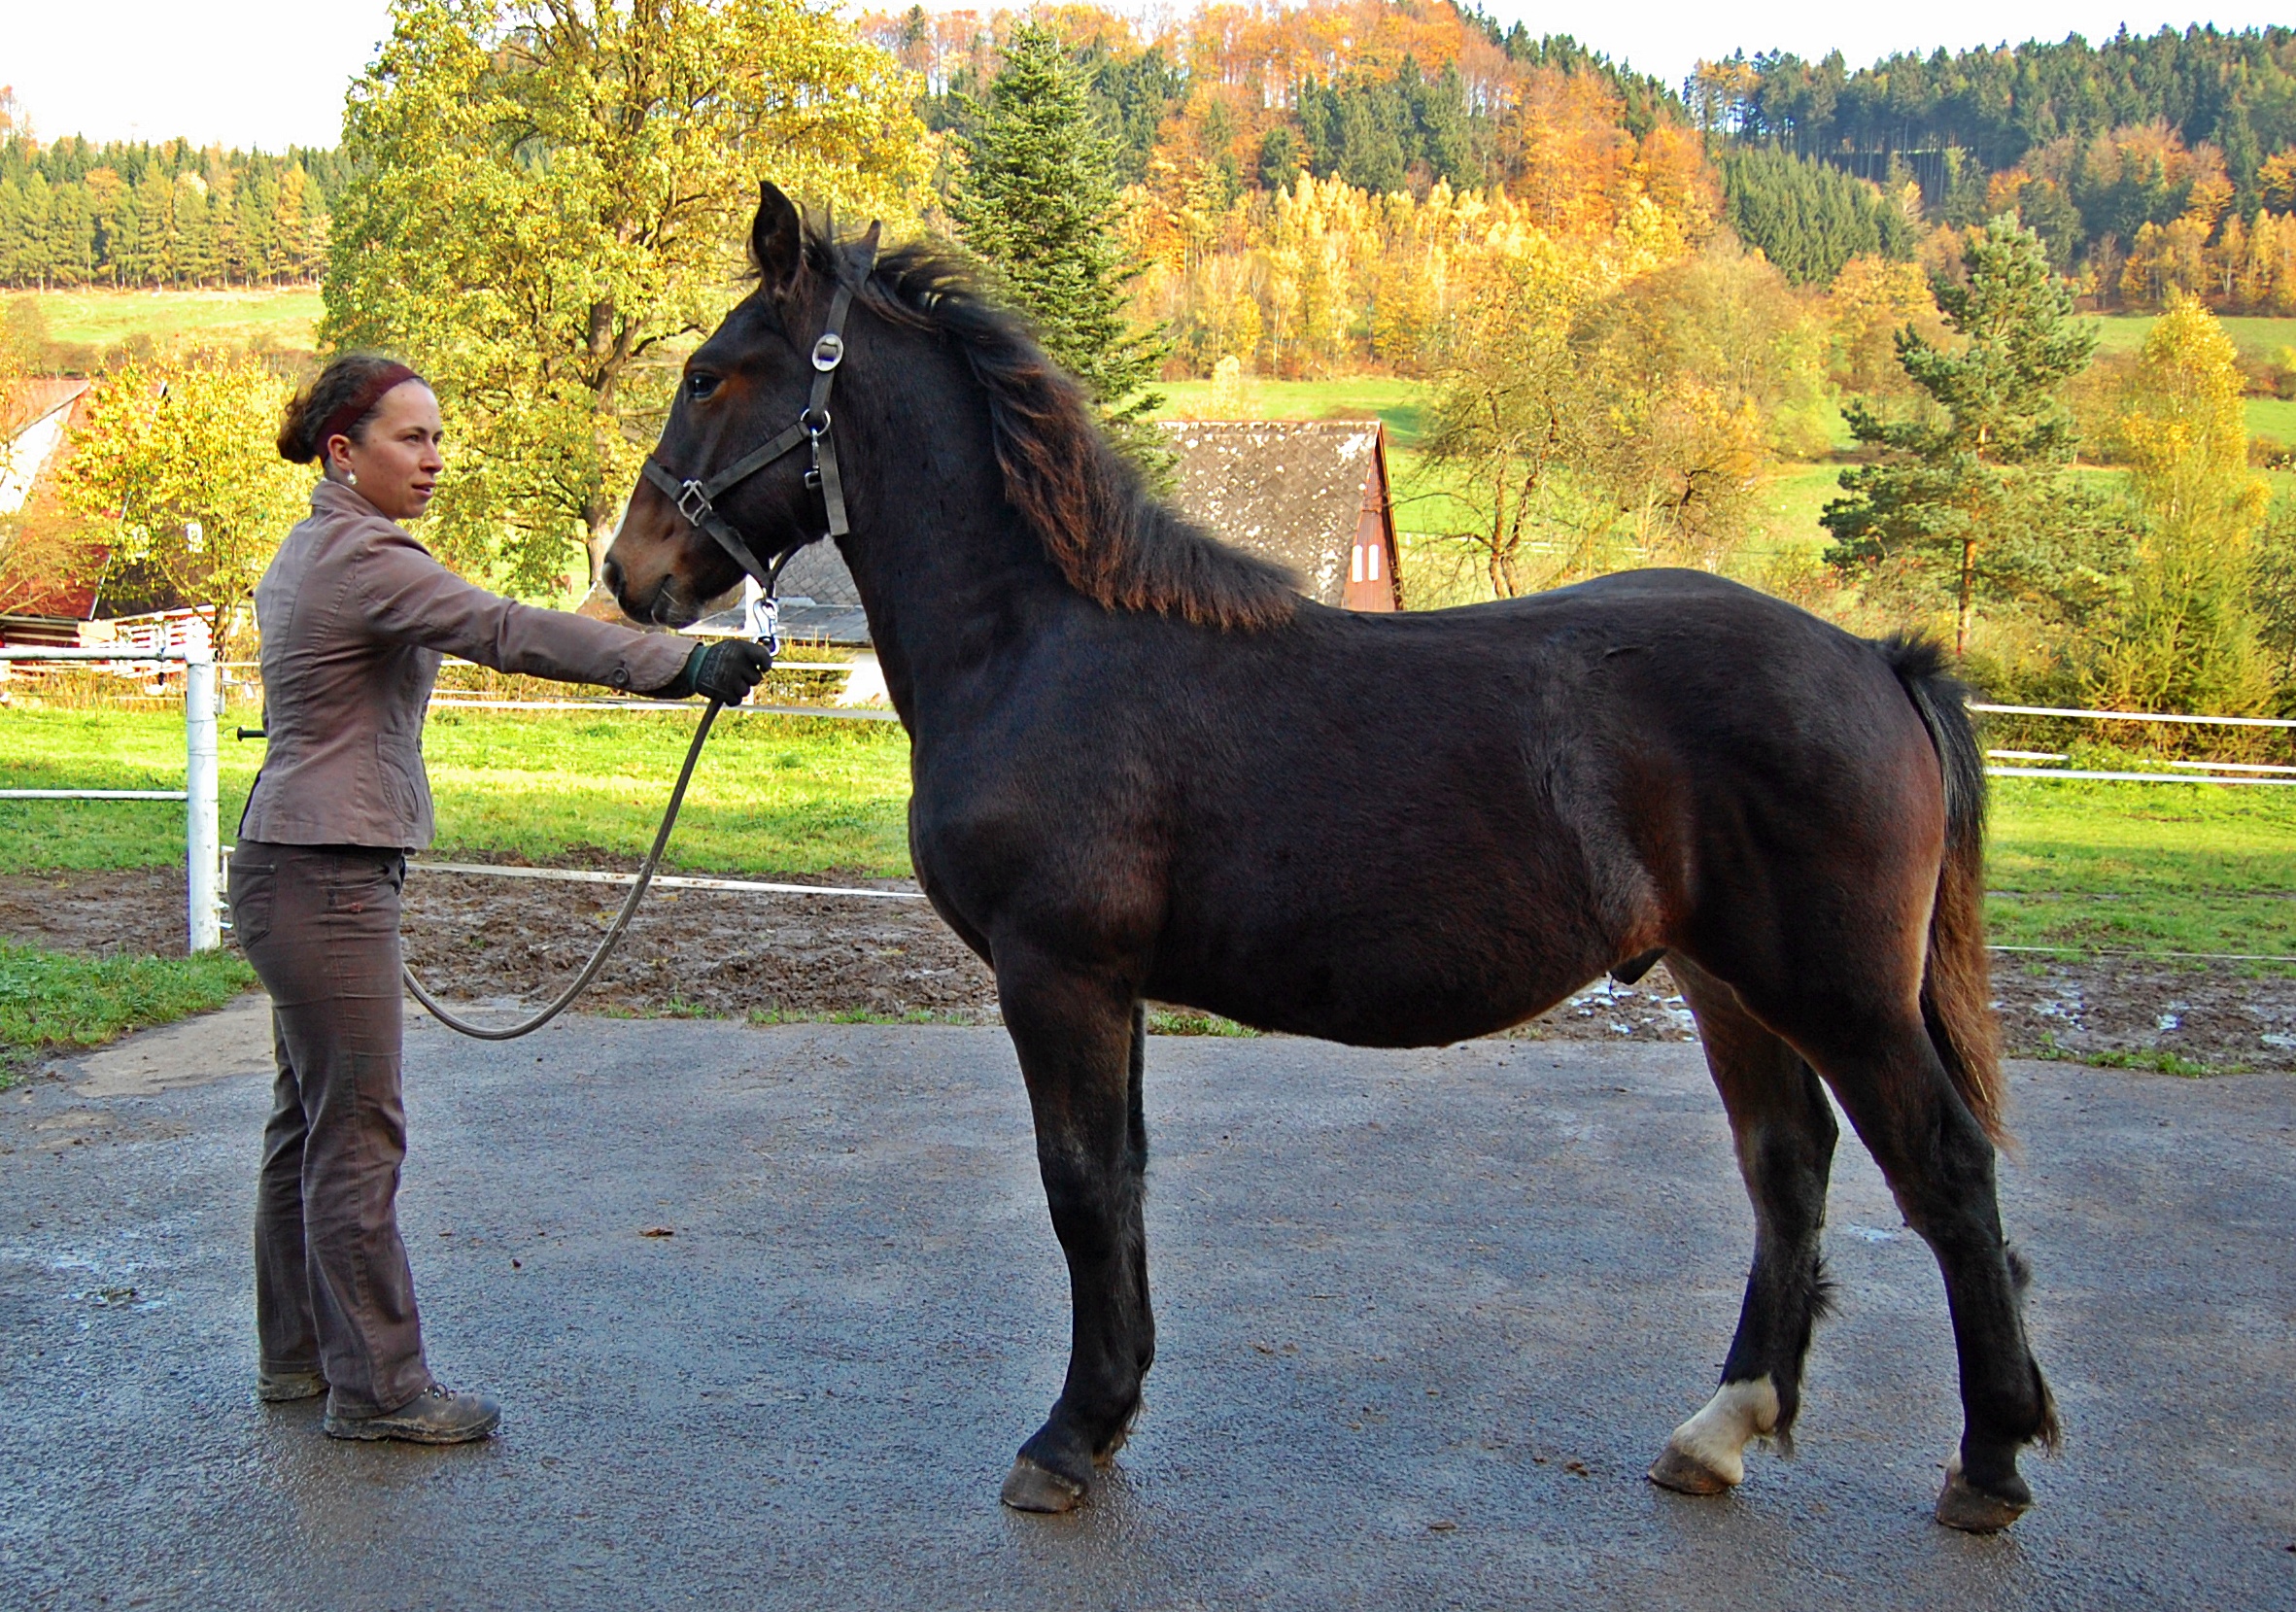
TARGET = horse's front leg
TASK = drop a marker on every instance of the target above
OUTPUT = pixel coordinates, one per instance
(1078, 1034)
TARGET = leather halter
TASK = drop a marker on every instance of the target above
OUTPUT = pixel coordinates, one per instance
(697, 500)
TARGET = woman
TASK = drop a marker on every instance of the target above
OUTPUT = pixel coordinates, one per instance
(354, 615)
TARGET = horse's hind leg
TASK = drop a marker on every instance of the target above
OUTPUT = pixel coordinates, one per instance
(1785, 1134)
(1080, 1043)
(1887, 1075)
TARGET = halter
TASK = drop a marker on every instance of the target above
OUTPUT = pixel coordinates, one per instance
(697, 500)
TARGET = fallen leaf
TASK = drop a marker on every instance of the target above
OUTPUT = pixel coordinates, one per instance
(1441, 1524)
(1578, 1466)
(656, 1231)
(516, 1266)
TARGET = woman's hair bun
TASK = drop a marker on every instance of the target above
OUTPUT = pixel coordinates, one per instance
(342, 383)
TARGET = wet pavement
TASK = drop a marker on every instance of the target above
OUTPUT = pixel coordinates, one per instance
(1425, 1317)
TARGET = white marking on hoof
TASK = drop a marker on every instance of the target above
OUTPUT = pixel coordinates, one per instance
(1716, 1439)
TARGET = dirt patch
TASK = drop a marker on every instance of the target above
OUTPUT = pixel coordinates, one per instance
(501, 941)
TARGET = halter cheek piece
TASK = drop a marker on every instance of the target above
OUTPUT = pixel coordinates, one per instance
(697, 500)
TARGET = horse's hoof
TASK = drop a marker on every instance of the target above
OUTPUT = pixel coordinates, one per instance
(1686, 1474)
(1029, 1487)
(1964, 1506)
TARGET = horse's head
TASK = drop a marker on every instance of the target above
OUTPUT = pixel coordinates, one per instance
(749, 382)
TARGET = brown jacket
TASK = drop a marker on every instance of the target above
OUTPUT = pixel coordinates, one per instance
(354, 615)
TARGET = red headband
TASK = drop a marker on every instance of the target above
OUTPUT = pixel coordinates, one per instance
(345, 419)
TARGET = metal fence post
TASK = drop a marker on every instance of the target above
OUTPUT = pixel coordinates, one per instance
(202, 838)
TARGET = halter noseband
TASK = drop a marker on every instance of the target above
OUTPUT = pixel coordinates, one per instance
(697, 500)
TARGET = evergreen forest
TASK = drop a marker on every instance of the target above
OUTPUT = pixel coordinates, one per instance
(73, 213)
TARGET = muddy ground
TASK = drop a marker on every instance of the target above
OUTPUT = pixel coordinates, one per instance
(501, 941)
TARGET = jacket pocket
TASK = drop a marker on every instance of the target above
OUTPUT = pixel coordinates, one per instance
(400, 794)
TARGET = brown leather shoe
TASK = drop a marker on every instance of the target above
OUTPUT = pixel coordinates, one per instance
(435, 1415)
(278, 1388)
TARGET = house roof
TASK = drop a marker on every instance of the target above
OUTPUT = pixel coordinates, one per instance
(34, 414)
(1290, 490)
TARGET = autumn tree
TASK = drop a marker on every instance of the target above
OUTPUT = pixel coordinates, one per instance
(547, 194)
(1036, 198)
(176, 465)
(1958, 477)
(2187, 640)
(1511, 405)
(1704, 374)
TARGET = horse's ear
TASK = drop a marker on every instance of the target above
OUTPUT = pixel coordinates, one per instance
(776, 239)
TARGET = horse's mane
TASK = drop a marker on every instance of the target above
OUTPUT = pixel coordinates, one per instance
(1112, 539)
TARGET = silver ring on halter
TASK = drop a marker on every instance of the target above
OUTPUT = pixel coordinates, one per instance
(812, 430)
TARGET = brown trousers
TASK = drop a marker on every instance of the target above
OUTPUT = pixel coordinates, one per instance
(333, 1292)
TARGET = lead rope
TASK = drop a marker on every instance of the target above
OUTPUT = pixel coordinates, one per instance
(598, 958)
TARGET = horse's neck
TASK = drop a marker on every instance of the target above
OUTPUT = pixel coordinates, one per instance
(946, 574)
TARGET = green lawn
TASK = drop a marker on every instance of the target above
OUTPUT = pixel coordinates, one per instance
(2143, 866)
(102, 319)
(51, 1002)
(1401, 402)
(2256, 337)
(772, 795)
(2273, 417)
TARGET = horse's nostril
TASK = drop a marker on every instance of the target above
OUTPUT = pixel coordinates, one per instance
(610, 573)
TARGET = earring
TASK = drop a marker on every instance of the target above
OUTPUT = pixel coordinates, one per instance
(351, 476)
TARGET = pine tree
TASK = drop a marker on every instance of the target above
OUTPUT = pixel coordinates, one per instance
(1036, 200)
(1955, 480)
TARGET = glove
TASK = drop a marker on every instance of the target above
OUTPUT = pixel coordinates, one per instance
(727, 671)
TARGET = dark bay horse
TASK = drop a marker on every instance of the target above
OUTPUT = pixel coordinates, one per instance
(1146, 769)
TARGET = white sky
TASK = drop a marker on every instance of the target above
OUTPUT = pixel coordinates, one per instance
(270, 73)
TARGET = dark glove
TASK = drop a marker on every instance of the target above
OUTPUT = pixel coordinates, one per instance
(727, 670)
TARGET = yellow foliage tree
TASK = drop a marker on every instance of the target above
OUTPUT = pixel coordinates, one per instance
(1872, 300)
(177, 460)
(2186, 642)
(546, 194)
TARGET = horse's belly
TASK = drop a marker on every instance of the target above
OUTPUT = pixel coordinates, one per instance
(1375, 987)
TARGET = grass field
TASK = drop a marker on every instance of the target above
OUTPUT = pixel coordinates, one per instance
(52, 1001)
(99, 319)
(2143, 866)
(2273, 417)
(772, 795)
(2256, 337)
(1399, 401)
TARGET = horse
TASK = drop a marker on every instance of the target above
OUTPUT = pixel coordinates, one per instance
(1146, 769)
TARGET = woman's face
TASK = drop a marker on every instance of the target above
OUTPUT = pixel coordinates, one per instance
(395, 468)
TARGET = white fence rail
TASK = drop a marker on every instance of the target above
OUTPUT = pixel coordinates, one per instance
(204, 851)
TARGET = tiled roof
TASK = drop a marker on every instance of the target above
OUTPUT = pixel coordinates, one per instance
(1290, 490)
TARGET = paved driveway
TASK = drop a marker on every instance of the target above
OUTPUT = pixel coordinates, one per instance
(1425, 1318)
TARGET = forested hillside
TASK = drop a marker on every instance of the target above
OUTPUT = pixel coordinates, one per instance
(77, 214)
(2148, 164)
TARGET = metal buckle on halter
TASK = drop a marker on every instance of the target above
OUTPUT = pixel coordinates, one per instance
(828, 351)
(693, 502)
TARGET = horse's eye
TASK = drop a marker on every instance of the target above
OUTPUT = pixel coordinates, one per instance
(699, 384)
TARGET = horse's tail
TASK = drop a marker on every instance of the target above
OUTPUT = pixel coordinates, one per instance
(1957, 986)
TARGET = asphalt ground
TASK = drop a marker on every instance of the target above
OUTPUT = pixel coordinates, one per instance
(1425, 1318)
